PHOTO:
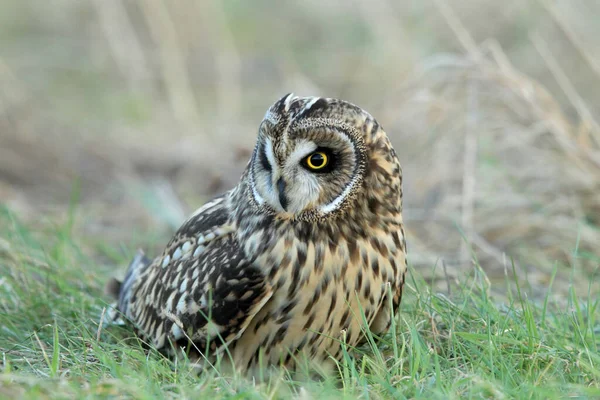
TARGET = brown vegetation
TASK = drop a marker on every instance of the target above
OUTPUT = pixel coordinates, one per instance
(152, 107)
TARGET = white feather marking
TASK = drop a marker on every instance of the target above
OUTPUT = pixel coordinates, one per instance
(166, 261)
(205, 207)
(198, 251)
(224, 230)
(269, 152)
(186, 248)
(308, 105)
(183, 286)
(288, 101)
(203, 301)
(176, 331)
(335, 203)
(158, 342)
(177, 253)
(181, 306)
(169, 302)
(209, 236)
(193, 308)
(257, 197)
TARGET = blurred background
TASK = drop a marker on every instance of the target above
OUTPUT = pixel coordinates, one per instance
(130, 114)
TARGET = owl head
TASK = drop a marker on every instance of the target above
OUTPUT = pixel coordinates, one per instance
(313, 156)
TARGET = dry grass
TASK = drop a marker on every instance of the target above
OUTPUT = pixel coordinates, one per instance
(151, 107)
(507, 168)
(118, 118)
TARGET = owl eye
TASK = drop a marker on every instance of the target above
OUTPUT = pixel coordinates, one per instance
(318, 161)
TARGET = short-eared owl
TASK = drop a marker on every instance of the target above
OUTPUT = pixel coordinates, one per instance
(304, 252)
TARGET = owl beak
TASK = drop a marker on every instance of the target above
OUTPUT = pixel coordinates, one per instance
(282, 197)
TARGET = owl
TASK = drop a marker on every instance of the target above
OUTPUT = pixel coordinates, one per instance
(296, 261)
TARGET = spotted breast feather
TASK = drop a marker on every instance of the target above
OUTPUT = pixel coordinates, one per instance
(202, 288)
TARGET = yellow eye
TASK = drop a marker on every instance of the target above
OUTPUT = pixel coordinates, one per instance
(317, 160)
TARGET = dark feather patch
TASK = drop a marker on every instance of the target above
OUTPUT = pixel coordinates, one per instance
(317, 106)
(112, 288)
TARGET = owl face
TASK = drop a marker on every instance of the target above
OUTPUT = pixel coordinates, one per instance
(307, 161)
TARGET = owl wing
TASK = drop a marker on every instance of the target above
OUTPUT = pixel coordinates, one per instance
(203, 287)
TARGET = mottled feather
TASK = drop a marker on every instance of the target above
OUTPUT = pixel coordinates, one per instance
(284, 264)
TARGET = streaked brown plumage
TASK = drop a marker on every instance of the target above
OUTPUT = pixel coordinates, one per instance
(284, 264)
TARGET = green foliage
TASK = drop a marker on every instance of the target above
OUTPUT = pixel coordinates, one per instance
(460, 345)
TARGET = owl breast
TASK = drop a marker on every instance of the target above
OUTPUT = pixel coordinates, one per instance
(324, 293)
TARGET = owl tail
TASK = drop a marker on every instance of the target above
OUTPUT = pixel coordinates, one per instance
(121, 291)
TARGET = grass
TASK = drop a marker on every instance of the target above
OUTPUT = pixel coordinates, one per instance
(461, 344)
(491, 107)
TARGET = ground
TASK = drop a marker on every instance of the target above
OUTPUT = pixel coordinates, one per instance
(119, 118)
